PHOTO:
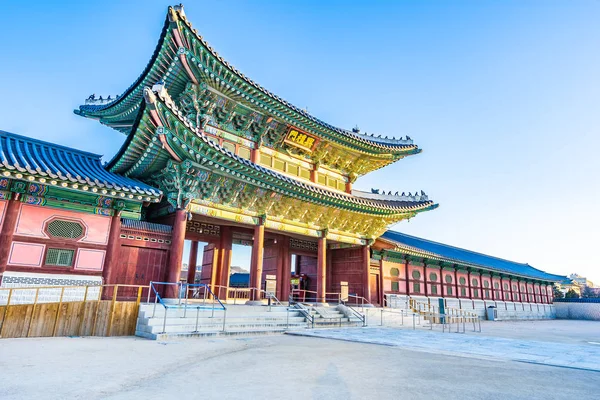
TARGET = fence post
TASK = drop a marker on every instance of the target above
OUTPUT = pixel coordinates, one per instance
(96, 312)
(62, 292)
(37, 292)
(112, 311)
(6, 311)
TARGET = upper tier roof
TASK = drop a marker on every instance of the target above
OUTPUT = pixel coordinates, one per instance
(178, 39)
(444, 252)
(22, 157)
(141, 145)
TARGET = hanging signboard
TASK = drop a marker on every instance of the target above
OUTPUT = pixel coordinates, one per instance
(301, 139)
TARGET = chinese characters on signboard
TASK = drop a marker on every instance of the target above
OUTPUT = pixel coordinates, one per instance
(300, 139)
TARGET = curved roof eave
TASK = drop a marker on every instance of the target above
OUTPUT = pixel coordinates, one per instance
(466, 257)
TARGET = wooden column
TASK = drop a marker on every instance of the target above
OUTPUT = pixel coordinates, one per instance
(256, 262)
(286, 273)
(176, 251)
(366, 257)
(469, 285)
(192, 262)
(8, 229)
(313, 175)
(254, 155)
(111, 263)
(224, 261)
(425, 280)
(456, 293)
(406, 278)
(322, 269)
(381, 292)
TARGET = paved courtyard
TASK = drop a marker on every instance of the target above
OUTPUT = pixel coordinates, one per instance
(451, 366)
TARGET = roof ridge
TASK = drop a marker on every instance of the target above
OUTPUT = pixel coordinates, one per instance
(49, 144)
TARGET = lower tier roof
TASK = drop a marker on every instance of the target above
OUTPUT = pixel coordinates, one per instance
(444, 252)
(30, 159)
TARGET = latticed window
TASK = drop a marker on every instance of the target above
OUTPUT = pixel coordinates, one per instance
(65, 229)
(60, 257)
(395, 287)
(394, 272)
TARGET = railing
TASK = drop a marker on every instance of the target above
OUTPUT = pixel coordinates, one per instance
(311, 296)
(60, 300)
(450, 315)
(200, 291)
(362, 317)
(244, 294)
(310, 319)
(358, 300)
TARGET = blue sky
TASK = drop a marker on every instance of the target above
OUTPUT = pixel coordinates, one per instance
(503, 97)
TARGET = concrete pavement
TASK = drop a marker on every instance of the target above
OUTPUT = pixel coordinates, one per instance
(270, 367)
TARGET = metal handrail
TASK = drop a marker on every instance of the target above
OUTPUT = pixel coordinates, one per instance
(362, 317)
(304, 311)
(159, 299)
(362, 299)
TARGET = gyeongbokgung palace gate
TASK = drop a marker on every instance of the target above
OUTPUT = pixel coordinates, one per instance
(210, 156)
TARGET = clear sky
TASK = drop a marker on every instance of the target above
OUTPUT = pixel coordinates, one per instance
(502, 96)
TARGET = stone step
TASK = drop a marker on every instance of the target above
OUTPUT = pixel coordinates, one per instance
(217, 320)
(194, 335)
(177, 312)
(219, 327)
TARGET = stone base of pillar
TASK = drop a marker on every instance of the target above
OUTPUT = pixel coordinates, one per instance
(254, 303)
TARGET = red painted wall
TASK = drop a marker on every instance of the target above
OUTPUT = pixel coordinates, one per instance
(416, 279)
(347, 266)
(434, 288)
(449, 276)
(398, 277)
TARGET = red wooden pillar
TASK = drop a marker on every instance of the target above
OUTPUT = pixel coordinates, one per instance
(322, 269)
(442, 282)
(313, 175)
(425, 279)
(366, 257)
(11, 214)
(111, 263)
(456, 293)
(256, 262)
(469, 285)
(406, 278)
(286, 268)
(224, 261)
(192, 262)
(176, 252)
(381, 292)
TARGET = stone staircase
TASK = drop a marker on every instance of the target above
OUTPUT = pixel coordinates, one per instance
(332, 316)
(182, 322)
